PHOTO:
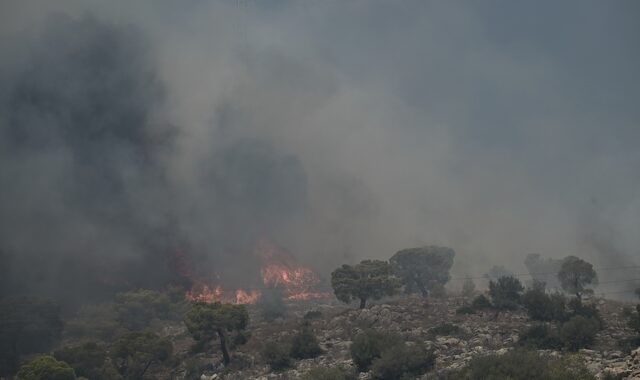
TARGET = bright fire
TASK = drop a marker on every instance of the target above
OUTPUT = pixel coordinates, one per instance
(279, 268)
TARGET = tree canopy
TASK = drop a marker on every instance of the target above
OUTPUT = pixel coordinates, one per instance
(423, 268)
(46, 368)
(576, 275)
(370, 279)
(506, 293)
(135, 352)
(206, 321)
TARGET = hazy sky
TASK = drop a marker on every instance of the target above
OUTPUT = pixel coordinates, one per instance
(345, 129)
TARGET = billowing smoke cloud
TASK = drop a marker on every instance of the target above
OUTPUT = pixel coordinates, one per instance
(341, 130)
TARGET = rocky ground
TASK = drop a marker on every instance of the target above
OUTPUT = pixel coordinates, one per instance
(412, 318)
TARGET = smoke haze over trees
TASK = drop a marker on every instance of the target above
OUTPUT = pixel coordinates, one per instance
(342, 131)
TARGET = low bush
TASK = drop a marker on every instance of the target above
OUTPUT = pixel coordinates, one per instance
(506, 293)
(88, 360)
(481, 302)
(523, 365)
(45, 368)
(465, 310)
(445, 329)
(590, 311)
(277, 356)
(97, 322)
(544, 307)
(402, 361)
(579, 332)
(304, 344)
(540, 337)
(369, 345)
(313, 314)
(329, 373)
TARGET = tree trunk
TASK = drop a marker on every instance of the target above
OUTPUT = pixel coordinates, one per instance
(424, 291)
(223, 347)
(145, 369)
(363, 302)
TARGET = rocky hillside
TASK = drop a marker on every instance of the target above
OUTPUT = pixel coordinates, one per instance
(454, 338)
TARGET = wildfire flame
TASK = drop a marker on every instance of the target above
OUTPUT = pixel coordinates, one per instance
(279, 269)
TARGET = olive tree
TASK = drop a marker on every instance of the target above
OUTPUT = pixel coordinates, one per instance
(208, 321)
(423, 268)
(506, 293)
(46, 368)
(576, 275)
(135, 352)
(371, 279)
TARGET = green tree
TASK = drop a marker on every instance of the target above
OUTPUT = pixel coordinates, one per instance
(329, 373)
(27, 325)
(576, 275)
(46, 368)
(135, 352)
(135, 309)
(544, 307)
(402, 362)
(277, 355)
(423, 268)
(207, 321)
(304, 344)
(579, 332)
(370, 345)
(371, 279)
(505, 293)
(88, 360)
(522, 364)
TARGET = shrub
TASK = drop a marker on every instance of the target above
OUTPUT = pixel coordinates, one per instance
(329, 373)
(540, 337)
(276, 355)
(135, 309)
(579, 332)
(505, 293)
(590, 311)
(481, 302)
(135, 352)
(369, 345)
(438, 291)
(46, 368)
(465, 310)
(629, 344)
(445, 329)
(88, 360)
(95, 322)
(523, 365)
(544, 307)
(402, 361)
(313, 314)
(304, 344)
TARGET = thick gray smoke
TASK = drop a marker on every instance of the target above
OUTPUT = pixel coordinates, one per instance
(340, 130)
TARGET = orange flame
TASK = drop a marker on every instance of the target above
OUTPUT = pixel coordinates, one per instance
(279, 269)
